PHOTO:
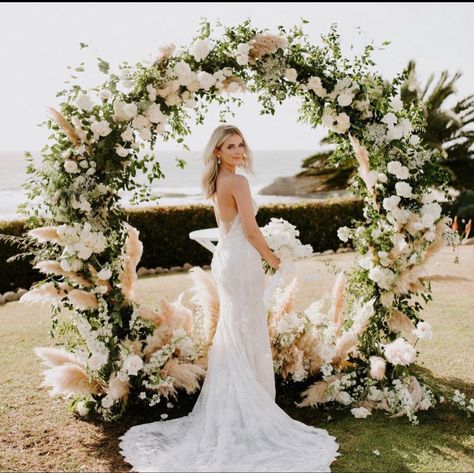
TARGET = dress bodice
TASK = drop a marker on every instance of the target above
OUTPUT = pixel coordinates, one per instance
(225, 226)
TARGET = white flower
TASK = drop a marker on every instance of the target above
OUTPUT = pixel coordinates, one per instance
(396, 167)
(374, 393)
(291, 74)
(104, 274)
(406, 126)
(343, 234)
(242, 54)
(101, 128)
(390, 119)
(164, 416)
(414, 140)
(384, 277)
(366, 261)
(145, 134)
(376, 452)
(403, 189)
(394, 133)
(84, 102)
(400, 352)
(396, 104)
(121, 151)
(423, 331)
(70, 166)
(382, 177)
(345, 99)
(425, 404)
(389, 203)
(140, 121)
(185, 77)
(82, 409)
(154, 114)
(200, 49)
(150, 88)
(343, 123)
(105, 94)
(343, 397)
(314, 84)
(133, 364)
(399, 242)
(377, 367)
(127, 135)
(360, 412)
(124, 111)
(97, 360)
(206, 80)
(142, 395)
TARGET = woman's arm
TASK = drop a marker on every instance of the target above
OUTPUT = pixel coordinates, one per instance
(240, 190)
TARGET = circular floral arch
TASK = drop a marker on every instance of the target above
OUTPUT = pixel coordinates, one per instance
(360, 340)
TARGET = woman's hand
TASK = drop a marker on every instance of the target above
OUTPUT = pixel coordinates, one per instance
(274, 261)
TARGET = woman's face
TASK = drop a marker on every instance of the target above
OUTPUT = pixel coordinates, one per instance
(232, 151)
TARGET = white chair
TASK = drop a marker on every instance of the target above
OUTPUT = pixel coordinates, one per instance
(205, 237)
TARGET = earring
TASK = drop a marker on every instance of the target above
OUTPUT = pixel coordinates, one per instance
(218, 160)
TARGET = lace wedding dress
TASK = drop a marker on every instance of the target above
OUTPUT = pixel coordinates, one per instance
(235, 424)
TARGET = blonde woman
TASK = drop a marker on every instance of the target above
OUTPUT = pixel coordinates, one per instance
(235, 424)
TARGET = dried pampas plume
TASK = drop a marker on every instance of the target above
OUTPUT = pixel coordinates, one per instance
(205, 295)
(133, 254)
(65, 126)
(45, 234)
(52, 356)
(337, 309)
(186, 375)
(44, 294)
(53, 267)
(83, 299)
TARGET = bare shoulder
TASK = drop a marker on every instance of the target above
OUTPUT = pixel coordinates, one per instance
(238, 182)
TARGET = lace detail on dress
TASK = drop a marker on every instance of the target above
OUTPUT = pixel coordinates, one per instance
(235, 424)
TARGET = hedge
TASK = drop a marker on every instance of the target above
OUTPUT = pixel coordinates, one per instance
(164, 232)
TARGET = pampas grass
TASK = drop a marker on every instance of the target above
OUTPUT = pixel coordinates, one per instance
(337, 309)
(83, 299)
(205, 295)
(45, 234)
(68, 379)
(52, 356)
(43, 294)
(117, 389)
(186, 375)
(65, 126)
(53, 267)
(317, 393)
(133, 254)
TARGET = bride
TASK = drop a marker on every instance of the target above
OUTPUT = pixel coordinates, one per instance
(235, 424)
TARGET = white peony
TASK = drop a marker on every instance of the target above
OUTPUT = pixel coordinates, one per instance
(400, 352)
(84, 102)
(201, 49)
(345, 99)
(360, 412)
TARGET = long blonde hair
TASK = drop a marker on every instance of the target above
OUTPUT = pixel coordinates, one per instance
(211, 168)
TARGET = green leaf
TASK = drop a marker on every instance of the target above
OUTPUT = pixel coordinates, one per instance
(83, 45)
(104, 66)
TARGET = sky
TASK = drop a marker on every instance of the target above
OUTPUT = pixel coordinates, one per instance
(39, 40)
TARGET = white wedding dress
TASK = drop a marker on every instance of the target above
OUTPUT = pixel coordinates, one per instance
(235, 424)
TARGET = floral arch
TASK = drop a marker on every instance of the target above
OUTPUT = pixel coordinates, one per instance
(360, 340)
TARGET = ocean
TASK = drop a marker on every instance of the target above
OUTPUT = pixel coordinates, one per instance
(179, 187)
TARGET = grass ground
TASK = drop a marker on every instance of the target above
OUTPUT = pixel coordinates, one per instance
(37, 433)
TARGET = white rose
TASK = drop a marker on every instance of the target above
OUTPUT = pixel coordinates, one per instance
(127, 135)
(343, 234)
(200, 49)
(105, 94)
(414, 140)
(140, 121)
(184, 73)
(291, 74)
(124, 111)
(389, 203)
(206, 80)
(366, 261)
(101, 128)
(394, 133)
(314, 83)
(145, 134)
(121, 151)
(345, 99)
(173, 99)
(389, 119)
(343, 123)
(84, 102)
(133, 364)
(150, 88)
(396, 104)
(403, 189)
(70, 166)
(382, 177)
(154, 114)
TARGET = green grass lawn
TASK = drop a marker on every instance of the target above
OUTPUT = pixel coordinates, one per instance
(38, 433)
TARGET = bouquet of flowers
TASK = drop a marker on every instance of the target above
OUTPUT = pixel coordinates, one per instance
(282, 238)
